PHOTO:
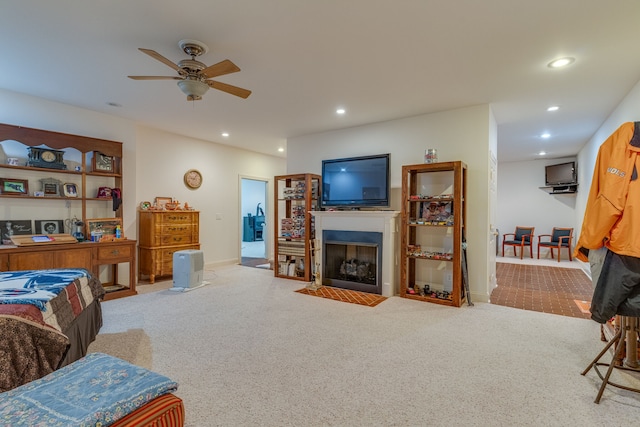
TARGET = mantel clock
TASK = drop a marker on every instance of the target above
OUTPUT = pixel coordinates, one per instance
(46, 158)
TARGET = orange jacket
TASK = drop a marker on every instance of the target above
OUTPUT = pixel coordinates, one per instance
(612, 214)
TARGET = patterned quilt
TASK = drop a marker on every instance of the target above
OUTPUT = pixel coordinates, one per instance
(96, 390)
(36, 308)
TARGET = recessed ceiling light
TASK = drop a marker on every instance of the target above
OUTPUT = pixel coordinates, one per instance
(553, 108)
(340, 111)
(281, 150)
(225, 134)
(545, 135)
(561, 62)
(542, 153)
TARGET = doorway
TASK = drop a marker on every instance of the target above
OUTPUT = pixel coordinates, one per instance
(253, 222)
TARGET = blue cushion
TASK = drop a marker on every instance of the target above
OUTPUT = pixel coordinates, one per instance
(517, 242)
(95, 390)
(555, 238)
(520, 232)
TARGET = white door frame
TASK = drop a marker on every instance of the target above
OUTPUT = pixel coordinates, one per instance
(266, 234)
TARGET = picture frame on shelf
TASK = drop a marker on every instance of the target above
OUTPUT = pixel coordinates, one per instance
(51, 187)
(104, 193)
(10, 228)
(160, 202)
(70, 190)
(14, 186)
(103, 163)
(49, 226)
(105, 226)
(436, 211)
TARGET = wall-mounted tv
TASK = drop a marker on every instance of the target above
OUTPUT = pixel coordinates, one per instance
(561, 174)
(356, 182)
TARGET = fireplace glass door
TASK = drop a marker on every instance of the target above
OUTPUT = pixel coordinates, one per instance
(351, 264)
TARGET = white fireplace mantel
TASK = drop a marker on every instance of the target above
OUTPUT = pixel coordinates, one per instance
(384, 222)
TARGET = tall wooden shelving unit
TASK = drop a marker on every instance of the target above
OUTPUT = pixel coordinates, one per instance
(90, 255)
(433, 218)
(297, 195)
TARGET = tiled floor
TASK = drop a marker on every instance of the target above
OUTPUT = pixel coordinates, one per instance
(345, 295)
(527, 285)
(556, 290)
(253, 262)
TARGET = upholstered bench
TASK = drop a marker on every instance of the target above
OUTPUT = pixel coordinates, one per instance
(97, 390)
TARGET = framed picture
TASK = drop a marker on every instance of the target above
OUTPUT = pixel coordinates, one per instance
(161, 201)
(49, 226)
(51, 187)
(103, 163)
(436, 211)
(14, 186)
(14, 228)
(105, 226)
(70, 190)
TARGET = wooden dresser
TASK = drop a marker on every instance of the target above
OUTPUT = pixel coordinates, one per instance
(161, 233)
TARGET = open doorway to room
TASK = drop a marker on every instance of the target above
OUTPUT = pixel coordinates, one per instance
(253, 222)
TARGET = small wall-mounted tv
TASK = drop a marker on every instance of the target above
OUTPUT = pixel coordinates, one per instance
(356, 182)
(561, 174)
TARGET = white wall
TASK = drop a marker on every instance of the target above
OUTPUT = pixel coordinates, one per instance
(463, 134)
(23, 110)
(160, 173)
(521, 201)
(531, 206)
(154, 165)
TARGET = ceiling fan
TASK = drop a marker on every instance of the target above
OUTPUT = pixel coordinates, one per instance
(193, 76)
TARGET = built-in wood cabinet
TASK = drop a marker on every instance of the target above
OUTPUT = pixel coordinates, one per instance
(74, 178)
(160, 234)
(93, 256)
(432, 228)
(297, 195)
(80, 171)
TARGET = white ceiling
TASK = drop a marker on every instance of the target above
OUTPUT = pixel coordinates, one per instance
(379, 59)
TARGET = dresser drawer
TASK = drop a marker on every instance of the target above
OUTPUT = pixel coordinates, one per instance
(176, 239)
(113, 252)
(177, 218)
(172, 229)
(167, 254)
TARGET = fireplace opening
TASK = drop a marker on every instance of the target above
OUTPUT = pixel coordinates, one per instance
(352, 260)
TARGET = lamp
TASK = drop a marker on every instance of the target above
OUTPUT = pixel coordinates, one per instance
(194, 89)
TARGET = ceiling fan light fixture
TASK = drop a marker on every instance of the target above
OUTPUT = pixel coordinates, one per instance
(193, 88)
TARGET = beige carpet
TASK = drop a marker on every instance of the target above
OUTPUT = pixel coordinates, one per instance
(247, 350)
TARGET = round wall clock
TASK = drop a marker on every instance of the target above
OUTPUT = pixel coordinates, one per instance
(193, 179)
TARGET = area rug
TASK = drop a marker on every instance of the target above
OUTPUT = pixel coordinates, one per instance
(345, 295)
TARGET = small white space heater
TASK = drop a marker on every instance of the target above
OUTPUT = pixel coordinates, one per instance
(188, 270)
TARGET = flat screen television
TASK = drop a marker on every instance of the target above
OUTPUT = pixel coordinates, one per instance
(356, 182)
(561, 174)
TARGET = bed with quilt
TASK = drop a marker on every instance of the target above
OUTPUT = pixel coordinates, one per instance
(48, 318)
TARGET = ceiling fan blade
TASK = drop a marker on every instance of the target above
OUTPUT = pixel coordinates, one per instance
(220, 69)
(155, 78)
(157, 56)
(233, 90)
